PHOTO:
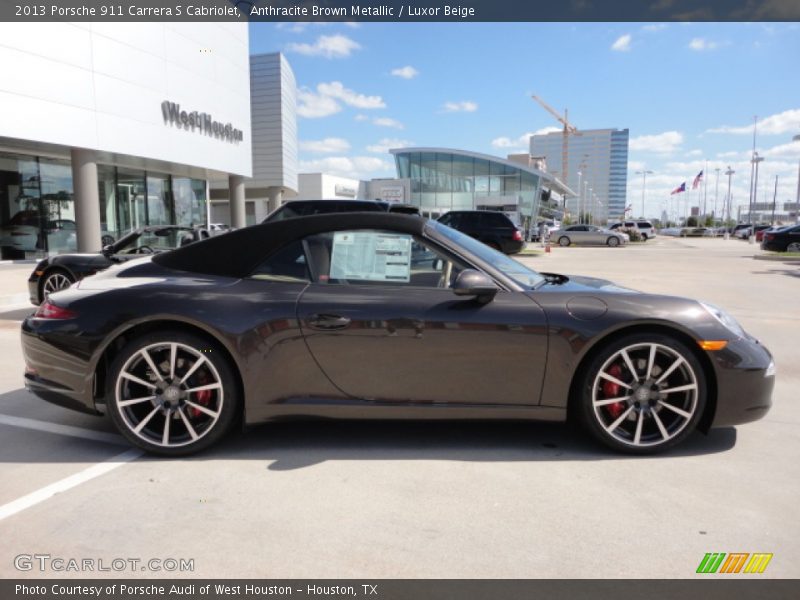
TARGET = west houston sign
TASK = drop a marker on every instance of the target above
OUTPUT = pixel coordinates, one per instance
(201, 122)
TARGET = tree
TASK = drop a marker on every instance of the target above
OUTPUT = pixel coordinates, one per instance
(691, 221)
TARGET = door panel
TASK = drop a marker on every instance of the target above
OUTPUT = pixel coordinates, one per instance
(402, 344)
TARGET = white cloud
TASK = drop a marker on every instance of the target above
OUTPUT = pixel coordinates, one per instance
(700, 44)
(314, 106)
(462, 106)
(623, 43)
(387, 122)
(635, 165)
(360, 117)
(695, 153)
(356, 167)
(329, 46)
(407, 72)
(329, 145)
(783, 123)
(335, 89)
(384, 145)
(326, 100)
(522, 142)
(663, 143)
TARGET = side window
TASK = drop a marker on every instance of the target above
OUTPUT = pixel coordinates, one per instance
(288, 264)
(368, 257)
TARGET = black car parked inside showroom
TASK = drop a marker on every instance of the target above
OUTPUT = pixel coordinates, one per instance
(62, 270)
(375, 315)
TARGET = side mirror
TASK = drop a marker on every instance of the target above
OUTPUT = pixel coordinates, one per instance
(474, 283)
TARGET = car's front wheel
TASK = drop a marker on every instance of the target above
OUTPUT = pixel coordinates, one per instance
(613, 241)
(642, 393)
(564, 241)
(172, 393)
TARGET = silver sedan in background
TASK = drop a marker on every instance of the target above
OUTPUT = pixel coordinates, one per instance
(588, 234)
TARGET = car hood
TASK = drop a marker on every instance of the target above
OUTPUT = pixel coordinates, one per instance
(581, 283)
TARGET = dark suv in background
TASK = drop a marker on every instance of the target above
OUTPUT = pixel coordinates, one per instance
(491, 227)
(304, 208)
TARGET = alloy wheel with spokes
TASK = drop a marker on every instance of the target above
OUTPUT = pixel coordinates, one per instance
(644, 393)
(55, 281)
(171, 394)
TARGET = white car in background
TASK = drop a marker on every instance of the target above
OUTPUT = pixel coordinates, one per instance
(588, 234)
(644, 227)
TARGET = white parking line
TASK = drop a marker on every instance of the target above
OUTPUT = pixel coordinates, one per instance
(67, 483)
(86, 434)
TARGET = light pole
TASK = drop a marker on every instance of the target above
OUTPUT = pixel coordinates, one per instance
(716, 194)
(756, 160)
(580, 201)
(797, 199)
(729, 173)
(644, 175)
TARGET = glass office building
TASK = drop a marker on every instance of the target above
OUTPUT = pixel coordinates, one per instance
(444, 179)
(601, 158)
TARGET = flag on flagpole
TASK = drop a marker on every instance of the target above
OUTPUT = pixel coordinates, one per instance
(679, 189)
(697, 180)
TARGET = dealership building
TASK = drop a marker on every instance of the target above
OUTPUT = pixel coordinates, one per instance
(444, 179)
(110, 126)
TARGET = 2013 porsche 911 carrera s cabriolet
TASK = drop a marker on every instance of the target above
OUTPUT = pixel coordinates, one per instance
(375, 315)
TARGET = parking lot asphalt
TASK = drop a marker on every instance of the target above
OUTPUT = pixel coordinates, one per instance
(427, 500)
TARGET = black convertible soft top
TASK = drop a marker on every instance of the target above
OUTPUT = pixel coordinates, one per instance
(237, 253)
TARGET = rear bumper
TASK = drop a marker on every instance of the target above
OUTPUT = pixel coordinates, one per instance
(744, 383)
(513, 247)
(53, 374)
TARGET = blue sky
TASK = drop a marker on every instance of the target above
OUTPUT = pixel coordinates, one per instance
(687, 92)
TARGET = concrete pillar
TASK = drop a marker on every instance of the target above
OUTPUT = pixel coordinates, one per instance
(274, 198)
(236, 195)
(87, 200)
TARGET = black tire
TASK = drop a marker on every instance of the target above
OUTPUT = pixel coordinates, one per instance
(612, 241)
(214, 367)
(598, 419)
(793, 247)
(53, 281)
(564, 241)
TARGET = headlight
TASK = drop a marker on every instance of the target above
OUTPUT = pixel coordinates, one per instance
(724, 318)
(770, 372)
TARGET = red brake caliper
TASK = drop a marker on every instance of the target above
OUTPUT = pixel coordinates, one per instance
(202, 397)
(611, 390)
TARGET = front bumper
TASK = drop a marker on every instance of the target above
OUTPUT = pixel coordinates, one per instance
(745, 380)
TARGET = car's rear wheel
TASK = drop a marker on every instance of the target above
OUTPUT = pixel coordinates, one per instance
(793, 247)
(564, 241)
(172, 393)
(54, 281)
(642, 393)
(612, 241)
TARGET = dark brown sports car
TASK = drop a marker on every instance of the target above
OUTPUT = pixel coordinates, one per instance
(374, 315)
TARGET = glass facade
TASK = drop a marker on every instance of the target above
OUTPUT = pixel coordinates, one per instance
(444, 181)
(37, 205)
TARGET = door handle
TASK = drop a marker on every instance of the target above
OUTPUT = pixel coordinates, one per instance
(328, 322)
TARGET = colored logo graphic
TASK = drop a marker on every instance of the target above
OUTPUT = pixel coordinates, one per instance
(736, 562)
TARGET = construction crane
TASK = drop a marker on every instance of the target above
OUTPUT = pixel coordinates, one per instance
(569, 129)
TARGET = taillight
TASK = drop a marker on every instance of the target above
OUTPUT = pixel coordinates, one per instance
(517, 236)
(48, 310)
(769, 236)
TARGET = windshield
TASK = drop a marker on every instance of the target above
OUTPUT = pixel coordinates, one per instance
(508, 266)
